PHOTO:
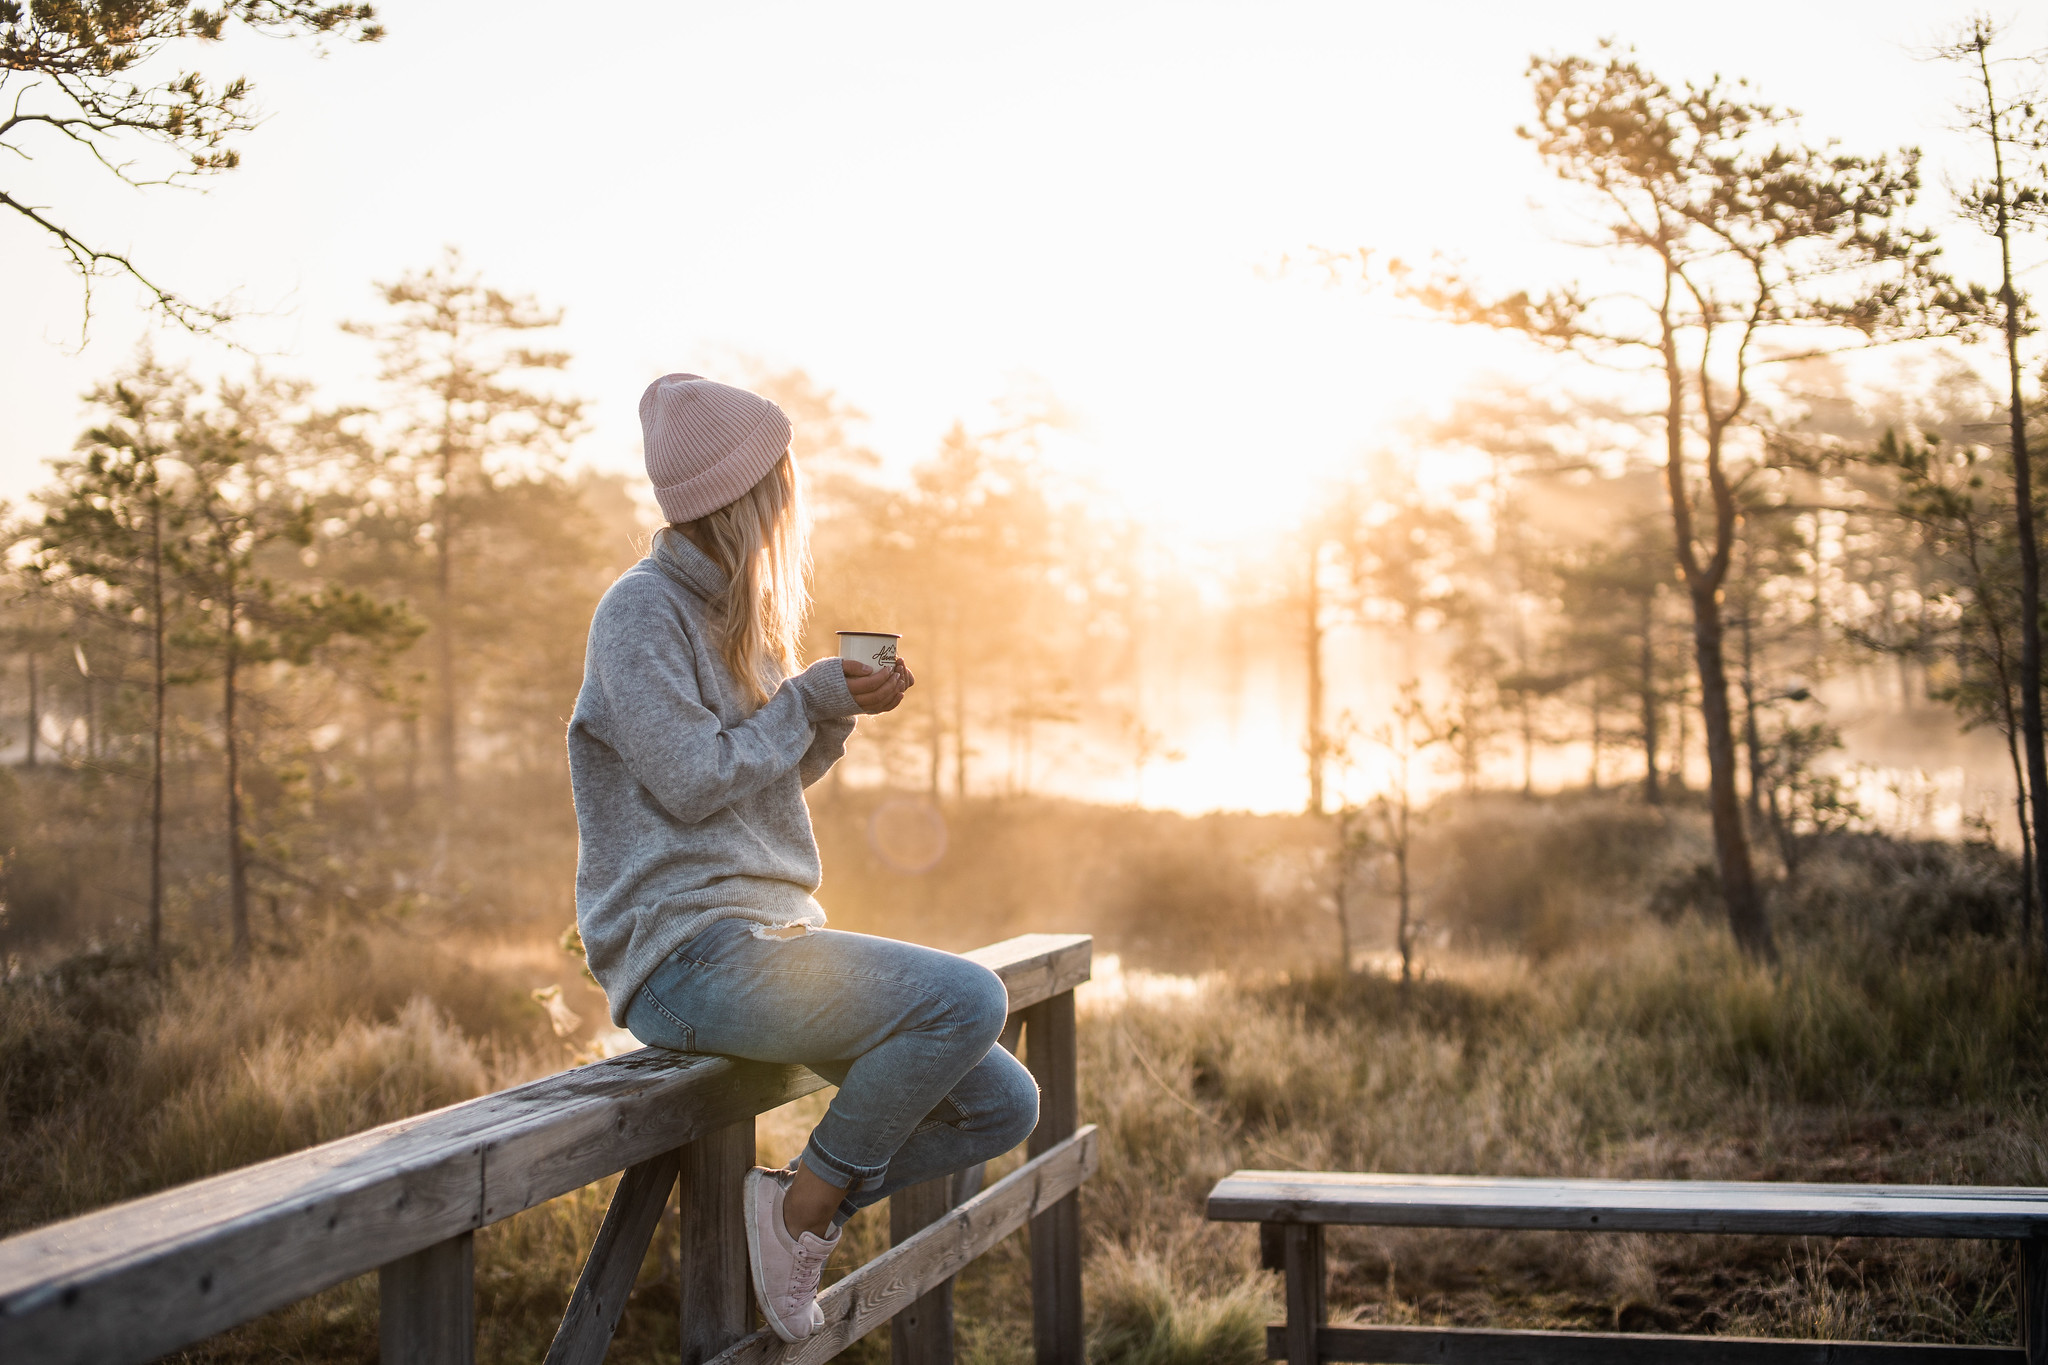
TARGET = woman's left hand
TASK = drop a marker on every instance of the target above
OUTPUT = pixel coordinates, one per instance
(876, 690)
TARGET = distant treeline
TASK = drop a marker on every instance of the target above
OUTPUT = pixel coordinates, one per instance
(273, 640)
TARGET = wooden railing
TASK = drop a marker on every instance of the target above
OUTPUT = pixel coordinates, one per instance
(132, 1282)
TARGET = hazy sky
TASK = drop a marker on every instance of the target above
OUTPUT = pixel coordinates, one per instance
(927, 207)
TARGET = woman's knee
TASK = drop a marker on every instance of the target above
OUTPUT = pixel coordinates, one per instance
(1017, 1110)
(977, 1003)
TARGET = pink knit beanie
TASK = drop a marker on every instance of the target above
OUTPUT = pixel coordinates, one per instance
(707, 443)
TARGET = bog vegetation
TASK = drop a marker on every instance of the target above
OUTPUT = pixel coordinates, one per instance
(286, 847)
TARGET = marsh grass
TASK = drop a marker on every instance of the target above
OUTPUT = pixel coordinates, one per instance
(1900, 1041)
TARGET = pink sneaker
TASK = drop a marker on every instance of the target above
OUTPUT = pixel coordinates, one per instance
(785, 1269)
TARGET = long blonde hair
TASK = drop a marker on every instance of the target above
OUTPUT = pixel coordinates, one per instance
(762, 541)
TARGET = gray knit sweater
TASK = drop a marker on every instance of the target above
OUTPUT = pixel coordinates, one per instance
(690, 806)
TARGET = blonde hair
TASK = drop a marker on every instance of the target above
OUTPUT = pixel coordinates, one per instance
(762, 542)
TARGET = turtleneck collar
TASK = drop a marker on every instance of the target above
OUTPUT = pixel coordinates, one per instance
(687, 564)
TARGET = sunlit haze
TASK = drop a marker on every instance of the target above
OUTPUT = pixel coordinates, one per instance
(929, 208)
(1110, 213)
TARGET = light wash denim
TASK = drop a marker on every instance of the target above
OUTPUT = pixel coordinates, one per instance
(907, 1033)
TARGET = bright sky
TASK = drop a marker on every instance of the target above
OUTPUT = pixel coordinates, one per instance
(926, 206)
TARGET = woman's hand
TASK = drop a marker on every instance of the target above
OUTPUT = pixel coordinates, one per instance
(876, 690)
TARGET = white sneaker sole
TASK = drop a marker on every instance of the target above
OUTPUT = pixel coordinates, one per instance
(754, 1196)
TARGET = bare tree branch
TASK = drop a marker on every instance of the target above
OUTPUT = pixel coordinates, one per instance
(76, 70)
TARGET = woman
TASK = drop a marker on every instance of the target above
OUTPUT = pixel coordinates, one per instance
(689, 750)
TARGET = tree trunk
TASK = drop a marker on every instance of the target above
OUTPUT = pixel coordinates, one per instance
(92, 719)
(159, 693)
(1680, 740)
(1746, 916)
(1315, 742)
(1401, 930)
(1599, 735)
(959, 735)
(1343, 897)
(412, 760)
(1528, 745)
(444, 710)
(35, 709)
(1752, 741)
(1731, 843)
(2023, 508)
(238, 855)
(1648, 696)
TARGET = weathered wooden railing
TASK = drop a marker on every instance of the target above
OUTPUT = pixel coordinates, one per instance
(1293, 1207)
(129, 1283)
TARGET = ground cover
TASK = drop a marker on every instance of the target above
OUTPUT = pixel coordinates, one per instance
(1902, 1039)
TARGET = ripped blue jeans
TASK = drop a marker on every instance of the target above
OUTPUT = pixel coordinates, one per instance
(907, 1034)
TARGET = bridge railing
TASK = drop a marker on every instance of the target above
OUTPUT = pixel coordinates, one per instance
(132, 1282)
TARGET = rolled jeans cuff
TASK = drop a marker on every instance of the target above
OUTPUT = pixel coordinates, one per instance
(855, 1180)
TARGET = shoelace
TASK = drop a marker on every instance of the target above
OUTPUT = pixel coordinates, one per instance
(810, 1264)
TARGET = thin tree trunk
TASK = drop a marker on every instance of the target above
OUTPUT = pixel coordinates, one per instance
(2023, 497)
(86, 690)
(1401, 878)
(2009, 727)
(238, 857)
(1528, 746)
(444, 588)
(1746, 918)
(412, 760)
(1752, 741)
(1315, 741)
(1680, 740)
(959, 735)
(159, 694)
(1599, 735)
(1731, 843)
(1648, 665)
(1343, 897)
(35, 709)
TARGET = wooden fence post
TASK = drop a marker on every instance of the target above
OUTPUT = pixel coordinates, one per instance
(1050, 1053)
(426, 1305)
(717, 1287)
(2034, 1299)
(1302, 1251)
(922, 1334)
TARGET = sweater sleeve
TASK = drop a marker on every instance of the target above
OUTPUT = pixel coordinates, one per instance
(828, 746)
(676, 746)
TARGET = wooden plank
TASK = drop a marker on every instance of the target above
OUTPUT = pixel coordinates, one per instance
(1627, 1205)
(426, 1306)
(614, 1263)
(132, 1282)
(1307, 1280)
(206, 1256)
(1037, 967)
(717, 1286)
(922, 1334)
(876, 1292)
(1050, 1046)
(2034, 1299)
(1473, 1346)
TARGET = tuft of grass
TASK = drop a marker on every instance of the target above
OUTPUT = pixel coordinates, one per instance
(1143, 1313)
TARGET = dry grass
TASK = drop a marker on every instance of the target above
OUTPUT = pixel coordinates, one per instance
(1904, 1046)
(1664, 1056)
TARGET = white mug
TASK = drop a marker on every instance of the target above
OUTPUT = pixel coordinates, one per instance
(876, 649)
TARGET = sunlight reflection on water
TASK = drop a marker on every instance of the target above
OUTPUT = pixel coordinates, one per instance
(1111, 987)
